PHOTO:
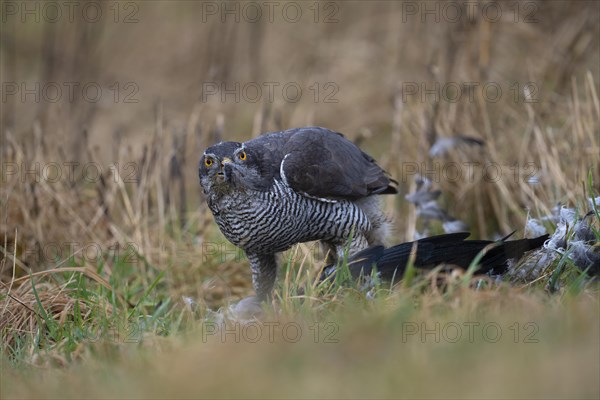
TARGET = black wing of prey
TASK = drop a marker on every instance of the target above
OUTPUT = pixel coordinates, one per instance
(451, 249)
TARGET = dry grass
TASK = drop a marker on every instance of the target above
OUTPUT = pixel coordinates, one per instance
(540, 353)
(116, 254)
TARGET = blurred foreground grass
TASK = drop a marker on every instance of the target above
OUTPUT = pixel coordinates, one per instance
(505, 343)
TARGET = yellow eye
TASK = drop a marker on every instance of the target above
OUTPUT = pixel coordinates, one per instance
(208, 162)
(242, 155)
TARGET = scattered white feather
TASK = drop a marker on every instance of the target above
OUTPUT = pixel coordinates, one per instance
(592, 201)
(454, 226)
(534, 228)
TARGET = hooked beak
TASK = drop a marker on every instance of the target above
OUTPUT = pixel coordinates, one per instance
(223, 174)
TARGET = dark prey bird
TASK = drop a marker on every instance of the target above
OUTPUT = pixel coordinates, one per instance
(288, 187)
(451, 249)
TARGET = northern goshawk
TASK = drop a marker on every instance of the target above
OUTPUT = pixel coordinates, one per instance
(294, 186)
(306, 184)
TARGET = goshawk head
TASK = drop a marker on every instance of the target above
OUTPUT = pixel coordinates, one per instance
(229, 166)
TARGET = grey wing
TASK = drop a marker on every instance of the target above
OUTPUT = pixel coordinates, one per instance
(324, 164)
(266, 152)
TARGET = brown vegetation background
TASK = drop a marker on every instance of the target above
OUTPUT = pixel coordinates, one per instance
(363, 57)
(112, 267)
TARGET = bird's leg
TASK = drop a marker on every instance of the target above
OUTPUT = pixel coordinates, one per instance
(264, 271)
